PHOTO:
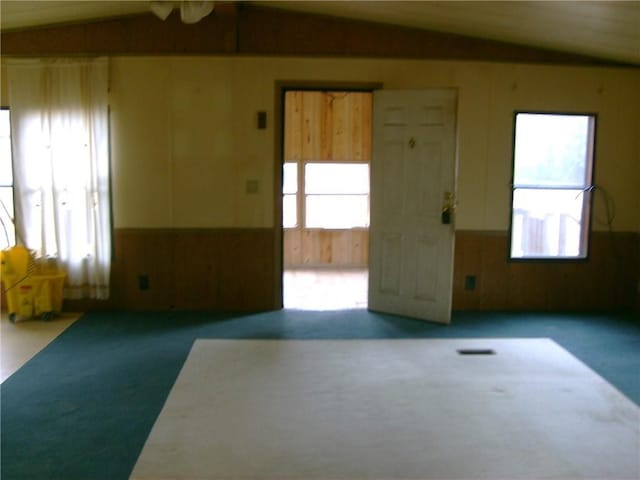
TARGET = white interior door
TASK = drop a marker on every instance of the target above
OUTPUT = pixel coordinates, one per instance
(412, 172)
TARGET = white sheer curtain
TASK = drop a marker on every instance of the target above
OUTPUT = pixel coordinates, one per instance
(60, 139)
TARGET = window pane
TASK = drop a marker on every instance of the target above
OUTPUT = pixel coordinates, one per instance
(326, 178)
(290, 178)
(289, 211)
(548, 223)
(552, 150)
(337, 211)
(7, 233)
(5, 126)
(6, 171)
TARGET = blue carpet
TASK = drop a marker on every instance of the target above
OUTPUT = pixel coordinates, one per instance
(84, 406)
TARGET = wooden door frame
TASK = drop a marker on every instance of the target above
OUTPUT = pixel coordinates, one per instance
(281, 87)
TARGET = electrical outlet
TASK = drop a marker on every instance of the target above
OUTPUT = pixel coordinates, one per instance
(470, 282)
(262, 120)
(143, 282)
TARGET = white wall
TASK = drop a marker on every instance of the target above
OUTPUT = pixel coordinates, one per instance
(185, 140)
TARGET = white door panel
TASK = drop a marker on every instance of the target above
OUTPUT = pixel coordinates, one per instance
(390, 265)
(412, 168)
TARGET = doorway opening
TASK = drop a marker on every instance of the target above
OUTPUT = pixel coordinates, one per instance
(325, 198)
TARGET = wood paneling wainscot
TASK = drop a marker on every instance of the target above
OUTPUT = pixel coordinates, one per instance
(234, 269)
(195, 269)
(606, 281)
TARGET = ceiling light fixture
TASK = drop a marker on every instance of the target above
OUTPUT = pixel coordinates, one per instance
(190, 11)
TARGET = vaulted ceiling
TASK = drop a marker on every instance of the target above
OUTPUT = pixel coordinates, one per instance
(605, 29)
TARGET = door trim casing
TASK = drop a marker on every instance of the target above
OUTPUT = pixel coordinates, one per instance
(280, 88)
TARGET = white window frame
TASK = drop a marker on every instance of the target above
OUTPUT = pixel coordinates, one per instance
(302, 196)
(583, 193)
(336, 194)
(291, 193)
(8, 235)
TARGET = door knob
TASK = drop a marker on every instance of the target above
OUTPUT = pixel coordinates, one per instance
(448, 208)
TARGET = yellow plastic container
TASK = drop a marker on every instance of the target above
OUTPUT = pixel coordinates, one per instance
(30, 291)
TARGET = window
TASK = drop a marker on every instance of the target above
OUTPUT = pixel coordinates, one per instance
(60, 135)
(552, 185)
(336, 195)
(8, 236)
(290, 194)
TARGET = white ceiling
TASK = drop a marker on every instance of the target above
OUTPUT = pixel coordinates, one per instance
(606, 29)
(31, 13)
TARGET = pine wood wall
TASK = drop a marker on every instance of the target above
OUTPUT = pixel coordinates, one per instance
(326, 127)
